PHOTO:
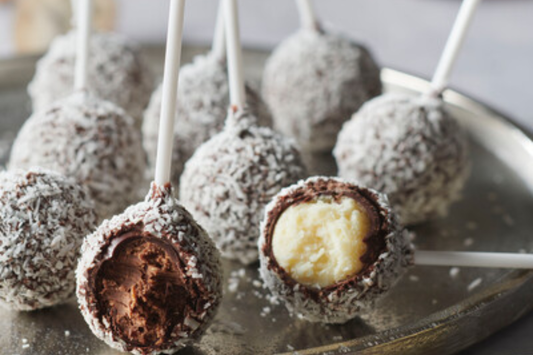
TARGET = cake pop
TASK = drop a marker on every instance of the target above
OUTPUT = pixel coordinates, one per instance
(43, 219)
(410, 147)
(117, 73)
(150, 279)
(91, 140)
(230, 178)
(203, 97)
(314, 81)
(329, 249)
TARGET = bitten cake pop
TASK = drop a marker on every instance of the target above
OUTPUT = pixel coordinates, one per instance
(329, 248)
(117, 73)
(314, 81)
(87, 138)
(43, 219)
(150, 279)
(229, 180)
(410, 147)
(203, 98)
(91, 140)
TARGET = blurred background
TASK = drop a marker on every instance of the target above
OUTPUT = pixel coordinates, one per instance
(495, 66)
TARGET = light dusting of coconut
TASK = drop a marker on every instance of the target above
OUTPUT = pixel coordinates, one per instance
(313, 82)
(474, 284)
(164, 217)
(117, 73)
(230, 179)
(43, 219)
(339, 306)
(409, 148)
(91, 140)
(203, 101)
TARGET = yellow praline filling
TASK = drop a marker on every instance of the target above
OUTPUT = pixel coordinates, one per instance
(319, 243)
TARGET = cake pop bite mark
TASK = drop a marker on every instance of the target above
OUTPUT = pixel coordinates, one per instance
(232, 176)
(410, 148)
(315, 80)
(150, 279)
(43, 219)
(332, 265)
(203, 97)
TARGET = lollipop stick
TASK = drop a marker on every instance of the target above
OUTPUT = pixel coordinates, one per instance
(219, 40)
(453, 45)
(236, 77)
(474, 259)
(84, 15)
(308, 17)
(170, 90)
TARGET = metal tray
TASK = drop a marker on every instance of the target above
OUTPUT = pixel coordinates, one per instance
(433, 310)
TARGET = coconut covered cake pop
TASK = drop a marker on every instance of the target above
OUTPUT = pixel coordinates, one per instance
(91, 140)
(43, 219)
(117, 73)
(203, 96)
(329, 249)
(409, 148)
(230, 179)
(314, 81)
(150, 279)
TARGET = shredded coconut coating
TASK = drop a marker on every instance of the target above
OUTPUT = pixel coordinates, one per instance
(43, 219)
(409, 148)
(345, 302)
(91, 140)
(162, 216)
(230, 179)
(117, 73)
(313, 82)
(203, 101)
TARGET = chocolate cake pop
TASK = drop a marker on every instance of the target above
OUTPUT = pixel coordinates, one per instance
(229, 180)
(43, 219)
(117, 73)
(409, 148)
(203, 97)
(91, 140)
(149, 280)
(314, 81)
(329, 248)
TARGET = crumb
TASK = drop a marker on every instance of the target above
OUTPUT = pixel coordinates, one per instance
(25, 346)
(414, 278)
(434, 301)
(24, 340)
(474, 284)
(468, 242)
(454, 272)
(471, 226)
(266, 311)
(290, 347)
(67, 333)
(257, 283)
(338, 338)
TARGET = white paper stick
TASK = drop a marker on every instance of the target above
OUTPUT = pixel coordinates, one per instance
(474, 259)
(235, 69)
(453, 46)
(84, 13)
(170, 90)
(218, 47)
(74, 12)
(308, 17)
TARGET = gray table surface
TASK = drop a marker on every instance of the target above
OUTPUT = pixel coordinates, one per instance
(496, 65)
